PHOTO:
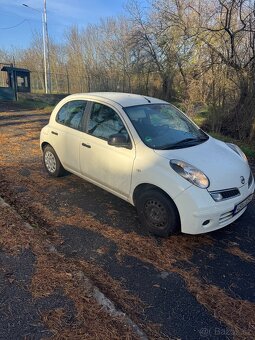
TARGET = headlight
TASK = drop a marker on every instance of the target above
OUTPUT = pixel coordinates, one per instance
(190, 173)
(237, 150)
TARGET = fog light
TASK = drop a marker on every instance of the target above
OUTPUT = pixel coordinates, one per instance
(206, 222)
(216, 196)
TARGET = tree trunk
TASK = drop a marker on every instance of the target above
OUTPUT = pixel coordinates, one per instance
(167, 88)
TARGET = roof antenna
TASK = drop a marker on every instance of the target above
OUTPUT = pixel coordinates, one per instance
(147, 100)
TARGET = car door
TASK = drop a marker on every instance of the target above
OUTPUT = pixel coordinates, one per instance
(109, 166)
(67, 133)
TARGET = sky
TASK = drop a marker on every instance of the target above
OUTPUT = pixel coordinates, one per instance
(61, 15)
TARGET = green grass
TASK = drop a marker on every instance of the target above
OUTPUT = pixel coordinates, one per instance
(29, 104)
(200, 118)
(248, 148)
(25, 105)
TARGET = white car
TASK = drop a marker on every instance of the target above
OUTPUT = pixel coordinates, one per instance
(147, 152)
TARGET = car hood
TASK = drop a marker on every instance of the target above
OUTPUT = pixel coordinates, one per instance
(223, 166)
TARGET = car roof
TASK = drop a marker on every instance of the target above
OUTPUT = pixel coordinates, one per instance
(123, 99)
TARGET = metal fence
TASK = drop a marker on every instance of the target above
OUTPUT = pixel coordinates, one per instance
(71, 83)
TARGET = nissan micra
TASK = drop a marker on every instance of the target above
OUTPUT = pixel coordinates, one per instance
(147, 152)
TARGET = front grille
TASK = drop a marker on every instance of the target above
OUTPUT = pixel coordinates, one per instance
(226, 194)
(250, 179)
(230, 193)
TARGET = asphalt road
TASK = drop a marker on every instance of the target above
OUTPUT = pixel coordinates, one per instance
(184, 287)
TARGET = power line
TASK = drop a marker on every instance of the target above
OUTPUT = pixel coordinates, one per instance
(8, 28)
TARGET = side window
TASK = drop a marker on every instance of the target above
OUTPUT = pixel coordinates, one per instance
(104, 122)
(71, 114)
(61, 116)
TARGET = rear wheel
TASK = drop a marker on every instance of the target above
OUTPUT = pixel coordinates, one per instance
(157, 213)
(51, 162)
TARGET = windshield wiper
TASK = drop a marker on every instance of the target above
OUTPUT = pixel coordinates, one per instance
(183, 142)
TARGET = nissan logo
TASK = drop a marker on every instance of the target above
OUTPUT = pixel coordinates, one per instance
(242, 179)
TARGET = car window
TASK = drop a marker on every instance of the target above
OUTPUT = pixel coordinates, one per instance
(104, 122)
(71, 114)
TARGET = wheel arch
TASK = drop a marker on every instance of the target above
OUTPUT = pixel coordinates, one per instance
(146, 186)
(44, 144)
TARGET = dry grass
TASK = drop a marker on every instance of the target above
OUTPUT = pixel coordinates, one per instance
(54, 272)
(33, 205)
(162, 257)
(241, 254)
(237, 314)
(91, 320)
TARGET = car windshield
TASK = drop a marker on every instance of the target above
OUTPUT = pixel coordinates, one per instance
(163, 126)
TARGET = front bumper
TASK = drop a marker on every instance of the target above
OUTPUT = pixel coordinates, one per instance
(196, 207)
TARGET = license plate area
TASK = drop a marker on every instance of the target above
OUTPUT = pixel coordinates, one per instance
(240, 206)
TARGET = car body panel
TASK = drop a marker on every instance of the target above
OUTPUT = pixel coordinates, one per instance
(150, 168)
(223, 166)
(110, 166)
(121, 170)
(196, 206)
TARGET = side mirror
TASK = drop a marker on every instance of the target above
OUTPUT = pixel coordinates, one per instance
(119, 140)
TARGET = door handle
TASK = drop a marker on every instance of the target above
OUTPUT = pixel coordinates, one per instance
(86, 145)
(54, 133)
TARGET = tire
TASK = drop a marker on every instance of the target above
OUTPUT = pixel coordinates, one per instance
(157, 213)
(51, 162)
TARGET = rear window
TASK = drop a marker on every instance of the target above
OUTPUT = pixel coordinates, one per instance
(71, 114)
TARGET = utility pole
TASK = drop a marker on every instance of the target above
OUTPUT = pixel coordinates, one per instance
(45, 55)
(46, 49)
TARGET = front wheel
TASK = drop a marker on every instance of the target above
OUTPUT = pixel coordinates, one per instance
(51, 162)
(157, 213)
